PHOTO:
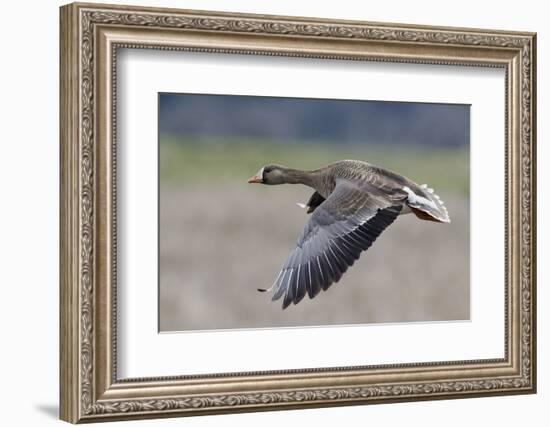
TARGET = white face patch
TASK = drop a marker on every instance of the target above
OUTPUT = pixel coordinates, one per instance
(260, 173)
(416, 200)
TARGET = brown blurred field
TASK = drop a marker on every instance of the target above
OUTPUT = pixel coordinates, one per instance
(222, 239)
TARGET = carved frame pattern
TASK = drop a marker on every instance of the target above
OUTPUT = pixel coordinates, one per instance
(80, 398)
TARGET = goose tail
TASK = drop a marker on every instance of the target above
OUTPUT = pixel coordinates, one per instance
(426, 205)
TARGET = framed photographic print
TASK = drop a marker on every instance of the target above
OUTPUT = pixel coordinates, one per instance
(265, 212)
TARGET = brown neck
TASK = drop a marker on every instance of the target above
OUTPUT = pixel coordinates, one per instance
(295, 176)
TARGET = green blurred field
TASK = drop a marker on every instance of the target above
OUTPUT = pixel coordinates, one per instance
(191, 161)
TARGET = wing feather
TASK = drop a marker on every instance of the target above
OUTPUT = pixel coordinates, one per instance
(339, 230)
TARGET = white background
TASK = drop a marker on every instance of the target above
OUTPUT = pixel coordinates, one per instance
(29, 172)
(144, 353)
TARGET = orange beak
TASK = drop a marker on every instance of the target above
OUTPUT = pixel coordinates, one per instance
(255, 179)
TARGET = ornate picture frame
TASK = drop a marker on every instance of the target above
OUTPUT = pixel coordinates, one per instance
(90, 37)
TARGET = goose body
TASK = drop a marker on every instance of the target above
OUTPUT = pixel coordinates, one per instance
(353, 203)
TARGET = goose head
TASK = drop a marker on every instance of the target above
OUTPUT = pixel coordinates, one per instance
(270, 175)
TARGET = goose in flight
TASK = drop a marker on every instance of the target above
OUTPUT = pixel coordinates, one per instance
(353, 203)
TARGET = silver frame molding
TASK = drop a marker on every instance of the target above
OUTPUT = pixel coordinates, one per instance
(90, 37)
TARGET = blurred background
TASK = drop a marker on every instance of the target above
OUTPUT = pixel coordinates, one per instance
(221, 238)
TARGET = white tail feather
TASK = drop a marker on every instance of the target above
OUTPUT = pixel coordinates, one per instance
(434, 207)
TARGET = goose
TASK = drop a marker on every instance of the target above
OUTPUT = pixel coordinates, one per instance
(351, 206)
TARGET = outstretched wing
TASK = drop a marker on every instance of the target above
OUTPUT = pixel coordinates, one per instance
(340, 228)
